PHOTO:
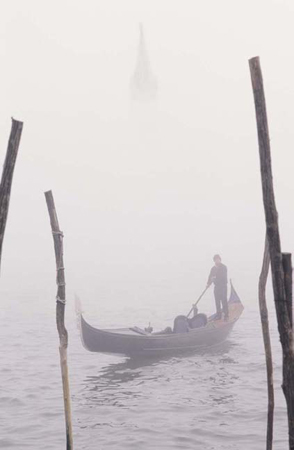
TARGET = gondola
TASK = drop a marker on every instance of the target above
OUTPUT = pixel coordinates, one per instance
(136, 342)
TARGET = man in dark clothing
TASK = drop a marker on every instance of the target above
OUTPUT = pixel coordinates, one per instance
(218, 276)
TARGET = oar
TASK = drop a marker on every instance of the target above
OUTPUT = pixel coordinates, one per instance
(196, 303)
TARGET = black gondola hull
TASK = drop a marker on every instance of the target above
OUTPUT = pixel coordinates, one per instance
(131, 343)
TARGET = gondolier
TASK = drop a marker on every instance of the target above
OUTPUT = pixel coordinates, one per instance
(218, 276)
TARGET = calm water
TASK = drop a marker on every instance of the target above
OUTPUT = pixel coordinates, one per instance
(211, 400)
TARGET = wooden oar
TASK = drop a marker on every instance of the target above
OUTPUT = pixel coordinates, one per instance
(196, 303)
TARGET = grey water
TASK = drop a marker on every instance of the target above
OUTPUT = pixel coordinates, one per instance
(213, 399)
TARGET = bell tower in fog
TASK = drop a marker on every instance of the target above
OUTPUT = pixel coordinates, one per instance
(143, 85)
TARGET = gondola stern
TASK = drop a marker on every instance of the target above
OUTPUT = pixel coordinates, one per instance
(234, 297)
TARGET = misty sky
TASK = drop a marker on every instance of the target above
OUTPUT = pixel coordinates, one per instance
(145, 193)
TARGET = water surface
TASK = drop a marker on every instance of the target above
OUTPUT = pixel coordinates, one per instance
(213, 399)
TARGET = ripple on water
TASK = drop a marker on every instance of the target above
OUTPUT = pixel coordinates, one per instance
(7, 443)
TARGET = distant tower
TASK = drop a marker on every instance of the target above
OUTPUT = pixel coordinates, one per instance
(143, 82)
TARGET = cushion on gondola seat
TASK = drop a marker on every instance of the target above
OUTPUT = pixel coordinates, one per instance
(198, 321)
(181, 324)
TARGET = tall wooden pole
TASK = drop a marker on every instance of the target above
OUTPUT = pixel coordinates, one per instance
(287, 267)
(267, 345)
(283, 304)
(60, 309)
(7, 176)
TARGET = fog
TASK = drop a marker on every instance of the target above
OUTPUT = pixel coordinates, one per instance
(146, 191)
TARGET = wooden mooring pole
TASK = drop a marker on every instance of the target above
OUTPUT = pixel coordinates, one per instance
(60, 310)
(281, 266)
(267, 344)
(7, 176)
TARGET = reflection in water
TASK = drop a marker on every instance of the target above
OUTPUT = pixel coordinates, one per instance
(149, 396)
(199, 400)
(122, 379)
(130, 369)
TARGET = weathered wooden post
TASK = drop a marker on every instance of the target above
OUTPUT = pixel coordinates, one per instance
(267, 345)
(60, 309)
(280, 272)
(7, 176)
(287, 266)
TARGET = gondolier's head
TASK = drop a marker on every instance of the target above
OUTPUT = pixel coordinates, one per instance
(217, 259)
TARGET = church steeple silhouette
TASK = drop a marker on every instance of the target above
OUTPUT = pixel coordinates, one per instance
(143, 82)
